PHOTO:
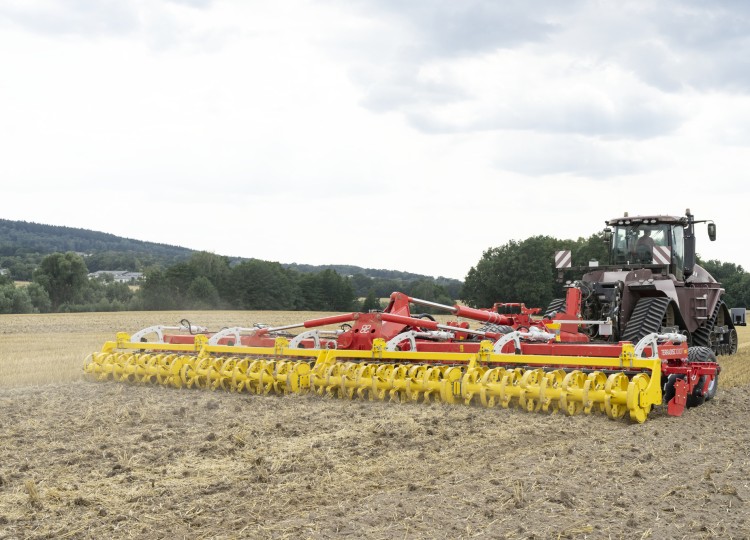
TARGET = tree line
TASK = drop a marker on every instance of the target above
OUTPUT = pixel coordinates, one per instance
(61, 283)
(518, 271)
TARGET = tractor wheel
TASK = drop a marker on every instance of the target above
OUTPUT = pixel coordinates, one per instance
(698, 396)
(732, 345)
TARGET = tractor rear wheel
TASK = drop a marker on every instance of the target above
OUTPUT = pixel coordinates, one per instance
(732, 345)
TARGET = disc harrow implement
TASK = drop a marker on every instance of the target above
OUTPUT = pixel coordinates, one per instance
(516, 361)
(485, 378)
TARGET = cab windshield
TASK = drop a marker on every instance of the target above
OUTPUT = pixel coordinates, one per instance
(634, 243)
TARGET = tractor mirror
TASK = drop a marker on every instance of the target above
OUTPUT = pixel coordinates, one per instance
(712, 231)
(607, 235)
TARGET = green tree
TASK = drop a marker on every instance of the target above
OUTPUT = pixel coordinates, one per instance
(310, 295)
(180, 276)
(263, 285)
(118, 292)
(384, 287)
(21, 265)
(731, 276)
(515, 272)
(202, 294)
(216, 269)
(587, 249)
(336, 292)
(361, 283)
(64, 276)
(212, 266)
(39, 298)
(426, 289)
(326, 291)
(14, 300)
(371, 302)
(741, 292)
(157, 292)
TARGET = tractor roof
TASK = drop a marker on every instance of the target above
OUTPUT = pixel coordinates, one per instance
(633, 220)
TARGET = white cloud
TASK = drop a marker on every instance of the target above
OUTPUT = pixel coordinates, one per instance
(517, 90)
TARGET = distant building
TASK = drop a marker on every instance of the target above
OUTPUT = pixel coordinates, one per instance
(120, 276)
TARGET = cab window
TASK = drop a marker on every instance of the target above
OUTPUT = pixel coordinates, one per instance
(634, 243)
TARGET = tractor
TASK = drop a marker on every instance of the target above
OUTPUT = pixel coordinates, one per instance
(651, 284)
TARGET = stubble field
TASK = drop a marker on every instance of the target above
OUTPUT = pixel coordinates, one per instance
(83, 459)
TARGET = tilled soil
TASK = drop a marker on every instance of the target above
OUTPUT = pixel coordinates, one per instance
(109, 460)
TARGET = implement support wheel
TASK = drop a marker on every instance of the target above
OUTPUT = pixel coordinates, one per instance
(699, 394)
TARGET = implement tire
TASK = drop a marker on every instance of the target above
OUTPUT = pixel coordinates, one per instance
(698, 396)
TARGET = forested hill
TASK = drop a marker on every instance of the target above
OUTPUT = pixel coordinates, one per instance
(24, 244)
(18, 237)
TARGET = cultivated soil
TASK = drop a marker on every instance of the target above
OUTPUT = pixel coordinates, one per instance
(84, 459)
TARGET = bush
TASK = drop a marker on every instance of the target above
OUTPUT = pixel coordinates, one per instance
(14, 300)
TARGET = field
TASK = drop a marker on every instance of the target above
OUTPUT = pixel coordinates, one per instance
(82, 459)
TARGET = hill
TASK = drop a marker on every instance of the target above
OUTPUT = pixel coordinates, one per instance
(24, 244)
(20, 237)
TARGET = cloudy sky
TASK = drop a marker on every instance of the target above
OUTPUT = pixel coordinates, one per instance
(386, 134)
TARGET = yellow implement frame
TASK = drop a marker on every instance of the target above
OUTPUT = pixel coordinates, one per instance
(619, 385)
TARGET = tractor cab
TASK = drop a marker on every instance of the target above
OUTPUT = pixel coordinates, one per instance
(655, 240)
(665, 241)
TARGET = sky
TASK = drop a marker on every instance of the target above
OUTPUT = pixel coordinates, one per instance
(385, 134)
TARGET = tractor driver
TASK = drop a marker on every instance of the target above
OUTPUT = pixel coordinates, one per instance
(644, 247)
(645, 240)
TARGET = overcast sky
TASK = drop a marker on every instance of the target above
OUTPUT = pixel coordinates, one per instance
(380, 133)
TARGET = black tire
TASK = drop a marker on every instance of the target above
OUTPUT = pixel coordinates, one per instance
(698, 396)
(732, 341)
(495, 328)
(713, 387)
